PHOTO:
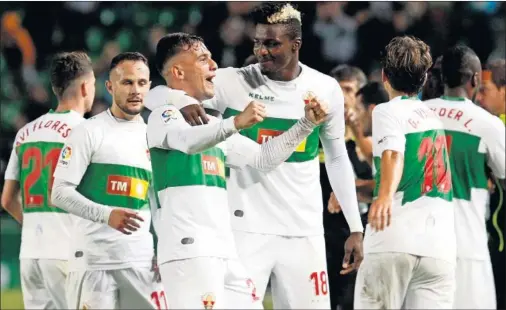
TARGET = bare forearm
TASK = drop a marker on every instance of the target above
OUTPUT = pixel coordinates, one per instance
(15, 210)
(392, 164)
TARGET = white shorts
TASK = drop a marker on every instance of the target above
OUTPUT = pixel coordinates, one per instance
(43, 283)
(298, 267)
(208, 283)
(475, 286)
(131, 288)
(401, 280)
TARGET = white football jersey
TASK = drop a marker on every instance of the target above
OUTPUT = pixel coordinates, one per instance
(422, 213)
(108, 160)
(288, 200)
(46, 229)
(475, 139)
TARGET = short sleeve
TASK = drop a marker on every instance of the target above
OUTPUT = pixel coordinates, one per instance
(387, 133)
(75, 155)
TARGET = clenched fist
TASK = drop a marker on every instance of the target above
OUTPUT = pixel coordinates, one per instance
(253, 114)
(124, 220)
(316, 110)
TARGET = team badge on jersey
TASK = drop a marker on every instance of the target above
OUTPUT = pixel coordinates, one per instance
(65, 156)
(208, 300)
(168, 114)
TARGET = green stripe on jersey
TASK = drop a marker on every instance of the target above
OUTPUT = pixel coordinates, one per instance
(37, 162)
(468, 165)
(426, 167)
(174, 168)
(116, 185)
(271, 127)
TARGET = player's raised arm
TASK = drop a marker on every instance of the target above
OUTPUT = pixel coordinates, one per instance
(242, 151)
(167, 129)
(10, 194)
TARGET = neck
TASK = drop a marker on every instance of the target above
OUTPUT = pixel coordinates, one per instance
(456, 92)
(118, 113)
(392, 93)
(287, 74)
(71, 104)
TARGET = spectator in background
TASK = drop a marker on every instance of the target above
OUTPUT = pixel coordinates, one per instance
(351, 79)
(434, 87)
(492, 96)
(20, 55)
(337, 32)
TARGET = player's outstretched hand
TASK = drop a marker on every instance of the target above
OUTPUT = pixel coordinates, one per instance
(194, 114)
(353, 248)
(253, 114)
(124, 220)
(380, 213)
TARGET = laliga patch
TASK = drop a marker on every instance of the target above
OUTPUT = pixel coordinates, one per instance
(65, 156)
(168, 114)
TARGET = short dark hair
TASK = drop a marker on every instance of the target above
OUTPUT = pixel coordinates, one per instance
(498, 69)
(172, 44)
(434, 87)
(133, 56)
(406, 61)
(67, 67)
(349, 73)
(373, 93)
(266, 14)
(459, 65)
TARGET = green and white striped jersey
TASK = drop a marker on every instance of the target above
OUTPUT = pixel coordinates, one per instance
(108, 160)
(46, 229)
(422, 212)
(475, 139)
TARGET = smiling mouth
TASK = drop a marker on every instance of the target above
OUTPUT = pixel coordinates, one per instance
(210, 79)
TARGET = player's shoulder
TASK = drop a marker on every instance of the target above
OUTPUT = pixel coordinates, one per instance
(162, 115)
(93, 124)
(318, 77)
(487, 119)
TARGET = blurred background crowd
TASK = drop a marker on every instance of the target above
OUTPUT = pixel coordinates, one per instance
(334, 33)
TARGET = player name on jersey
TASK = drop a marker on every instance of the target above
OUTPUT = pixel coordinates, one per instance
(127, 186)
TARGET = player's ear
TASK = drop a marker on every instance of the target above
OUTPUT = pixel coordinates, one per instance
(177, 72)
(297, 44)
(82, 89)
(108, 86)
(475, 80)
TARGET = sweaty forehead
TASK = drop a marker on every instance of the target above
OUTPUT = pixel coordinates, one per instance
(270, 32)
(130, 69)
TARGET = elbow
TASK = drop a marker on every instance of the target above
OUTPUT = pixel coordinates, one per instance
(6, 202)
(57, 197)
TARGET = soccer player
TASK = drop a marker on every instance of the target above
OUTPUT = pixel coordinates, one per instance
(277, 217)
(409, 241)
(45, 236)
(474, 138)
(196, 247)
(103, 176)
